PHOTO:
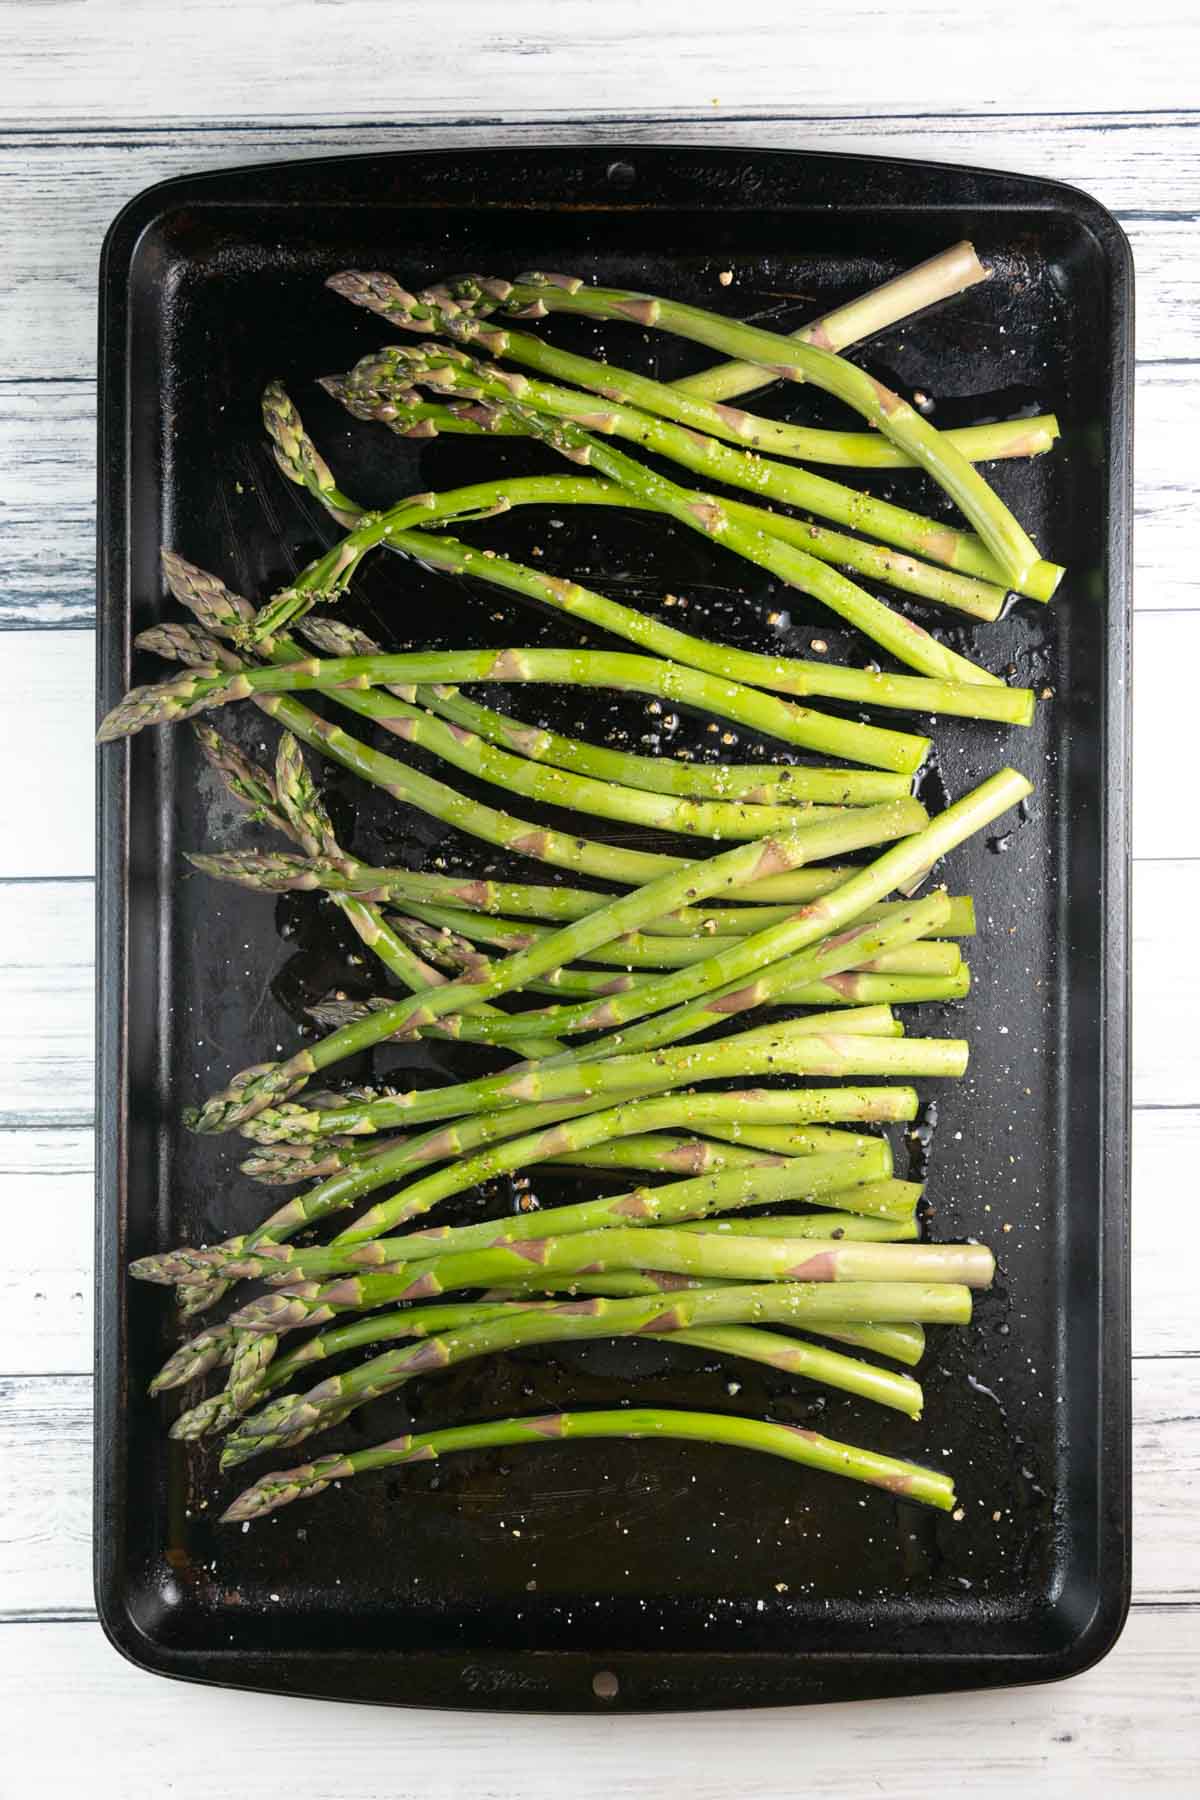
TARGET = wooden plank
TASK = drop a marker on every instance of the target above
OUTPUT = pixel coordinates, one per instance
(45, 1003)
(1166, 996)
(363, 55)
(1125, 1728)
(46, 1274)
(59, 193)
(46, 996)
(1166, 651)
(47, 754)
(1166, 1155)
(45, 1489)
(53, 673)
(47, 552)
(48, 510)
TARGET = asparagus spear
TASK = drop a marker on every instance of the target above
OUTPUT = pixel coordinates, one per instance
(958, 549)
(640, 950)
(938, 278)
(377, 387)
(748, 1343)
(291, 1418)
(932, 1487)
(459, 306)
(755, 784)
(303, 817)
(863, 992)
(733, 1256)
(716, 818)
(404, 1156)
(749, 972)
(960, 679)
(609, 861)
(407, 415)
(901, 865)
(904, 1343)
(255, 1089)
(270, 872)
(904, 639)
(584, 794)
(832, 1178)
(201, 689)
(215, 1346)
(384, 372)
(776, 1048)
(904, 864)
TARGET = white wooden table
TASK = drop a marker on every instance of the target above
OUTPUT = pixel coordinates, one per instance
(99, 98)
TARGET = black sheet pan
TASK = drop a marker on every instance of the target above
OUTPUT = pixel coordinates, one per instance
(678, 1576)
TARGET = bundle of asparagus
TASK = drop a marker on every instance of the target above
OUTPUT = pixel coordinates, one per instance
(645, 975)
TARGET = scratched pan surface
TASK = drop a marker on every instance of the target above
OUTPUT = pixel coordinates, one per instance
(695, 1577)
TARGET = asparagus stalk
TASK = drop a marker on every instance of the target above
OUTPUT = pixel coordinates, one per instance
(450, 1251)
(832, 1178)
(748, 1343)
(303, 817)
(291, 1418)
(863, 993)
(749, 972)
(271, 872)
(384, 372)
(932, 1487)
(459, 306)
(904, 1343)
(815, 1225)
(904, 639)
(716, 818)
(649, 951)
(780, 1049)
(962, 550)
(902, 865)
(755, 784)
(947, 684)
(374, 390)
(254, 1089)
(585, 794)
(938, 278)
(894, 567)
(201, 689)
(299, 460)
(405, 1156)
(407, 415)
(958, 678)
(566, 850)
(905, 864)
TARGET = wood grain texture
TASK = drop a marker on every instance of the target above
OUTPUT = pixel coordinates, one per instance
(46, 996)
(46, 1276)
(102, 97)
(58, 195)
(47, 506)
(1124, 1729)
(369, 58)
(53, 672)
(46, 1462)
